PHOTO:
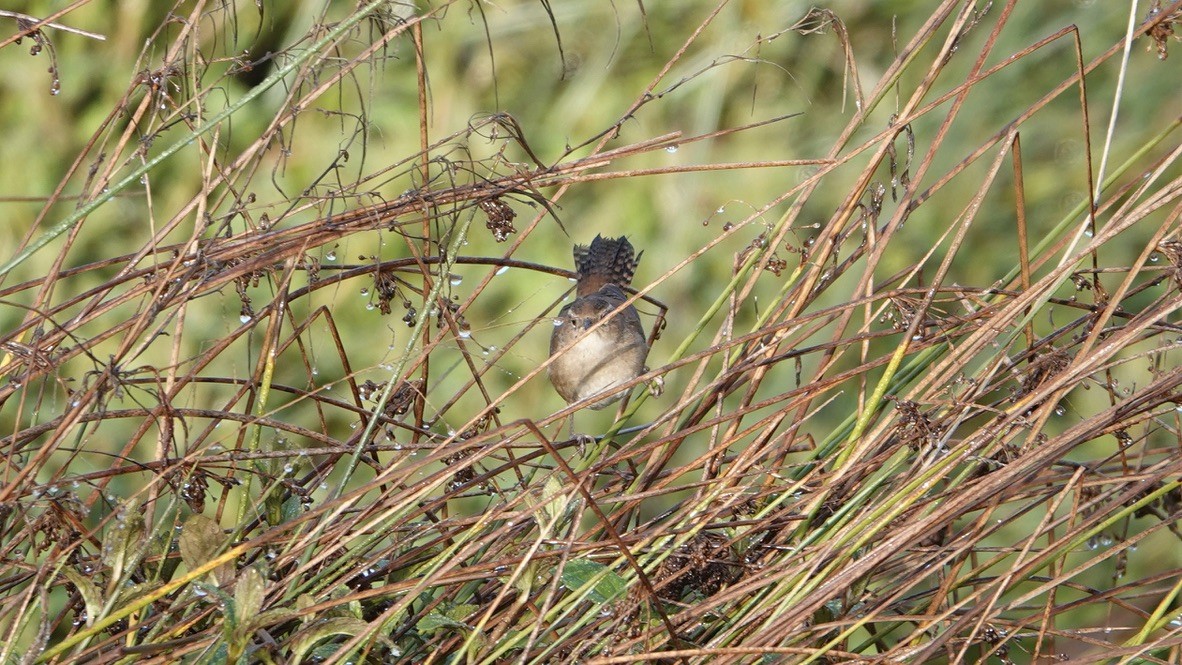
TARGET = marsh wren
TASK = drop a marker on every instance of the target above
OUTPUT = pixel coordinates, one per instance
(613, 354)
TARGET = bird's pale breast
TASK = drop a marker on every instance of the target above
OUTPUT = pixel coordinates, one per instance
(596, 363)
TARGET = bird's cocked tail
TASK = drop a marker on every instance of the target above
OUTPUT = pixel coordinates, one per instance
(605, 261)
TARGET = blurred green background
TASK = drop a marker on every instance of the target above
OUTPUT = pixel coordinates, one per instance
(747, 66)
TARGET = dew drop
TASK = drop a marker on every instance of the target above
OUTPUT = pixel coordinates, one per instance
(671, 149)
(245, 318)
(502, 270)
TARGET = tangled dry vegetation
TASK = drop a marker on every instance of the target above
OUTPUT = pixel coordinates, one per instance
(867, 448)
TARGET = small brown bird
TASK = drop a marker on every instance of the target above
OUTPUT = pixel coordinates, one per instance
(614, 353)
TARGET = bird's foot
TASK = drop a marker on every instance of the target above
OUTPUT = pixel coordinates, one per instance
(582, 441)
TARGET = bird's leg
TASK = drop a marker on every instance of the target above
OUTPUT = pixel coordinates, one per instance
(581, 440)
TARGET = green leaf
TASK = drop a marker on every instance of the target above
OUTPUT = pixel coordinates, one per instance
(220, 655)
(250, 591)
(452, 617)
(292, 508)
(524, 583)
(321, 630)
(91, 596)
(201, 540)
(608, 586)
(123, 542)
(302, 603)
(229, 609)
(556, 497)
